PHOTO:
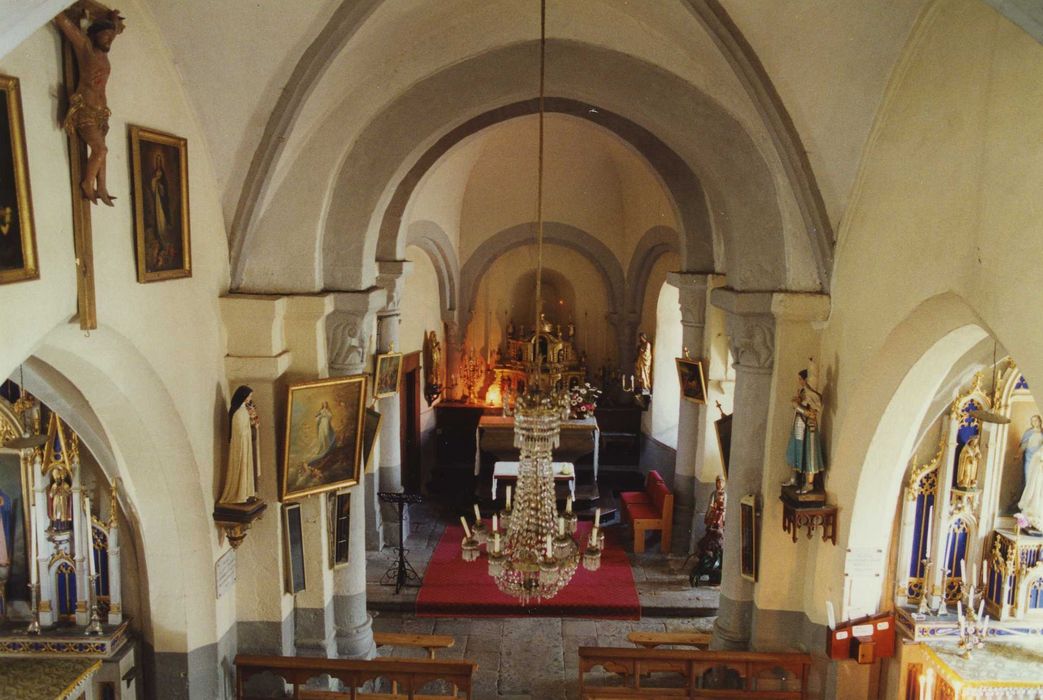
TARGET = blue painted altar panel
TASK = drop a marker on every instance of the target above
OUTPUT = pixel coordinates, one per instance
(66, 590)
(924, 502)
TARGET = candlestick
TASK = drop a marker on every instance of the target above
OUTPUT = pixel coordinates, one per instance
(597, 518)
(985, 572)
(467, 530)
(34, 609)
(35, 554)
(930, 528)
(508, 497)
(963, 571)
(90, 538)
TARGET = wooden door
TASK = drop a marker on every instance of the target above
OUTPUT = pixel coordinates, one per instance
(409, 403)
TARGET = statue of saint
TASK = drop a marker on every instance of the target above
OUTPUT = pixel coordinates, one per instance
(434, 349)
(88, 114)
(643, 364)
(241, 476)
(967, 465)
(710, 549)
(1031, 503)
(804, 451)
(1031, 441)
(59, 497)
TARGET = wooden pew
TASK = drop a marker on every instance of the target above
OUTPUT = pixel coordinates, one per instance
(410, 675)
(782, 676)
(430, 642)
(651, 640)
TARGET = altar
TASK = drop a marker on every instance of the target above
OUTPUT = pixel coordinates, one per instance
(998, 670)
(495, 435)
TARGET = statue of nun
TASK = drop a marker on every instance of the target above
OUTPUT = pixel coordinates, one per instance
(241, 475)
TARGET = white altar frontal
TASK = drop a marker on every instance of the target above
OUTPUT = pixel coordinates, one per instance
(495, 435)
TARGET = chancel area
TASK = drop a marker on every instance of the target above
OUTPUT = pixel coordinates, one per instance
(506, 349)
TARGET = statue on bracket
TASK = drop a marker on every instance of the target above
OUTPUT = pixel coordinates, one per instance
(643, 364)
(238, 505)
(88, 113)
(804, 451)
(710, 549)
(433, 384)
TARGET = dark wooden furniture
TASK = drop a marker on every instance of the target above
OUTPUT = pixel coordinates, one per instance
(699, 674)
(651, 640)
(795, 518)
(620, 434)
(409, 675)
(651, 509)
(455, 426)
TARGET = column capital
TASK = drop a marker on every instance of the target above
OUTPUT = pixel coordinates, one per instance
(391, 276)
(254, 324)
(691, 287)
(348, 328)
(784, 306)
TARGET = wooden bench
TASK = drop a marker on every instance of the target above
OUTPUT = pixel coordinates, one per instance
(651, 640)
(651, 509)
(409, 675)
(698, 674)
(430, 642)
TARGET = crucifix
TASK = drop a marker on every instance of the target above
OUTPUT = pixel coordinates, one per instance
(86, 69)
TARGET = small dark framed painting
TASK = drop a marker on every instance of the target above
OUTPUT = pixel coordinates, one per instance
(339, 509)
(693, 382)
(17, 235)
(388, 374)
(749, 526)
(159, 171)
(293, 535)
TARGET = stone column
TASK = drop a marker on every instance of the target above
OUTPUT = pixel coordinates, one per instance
(691, 433)
(391, 279)
(348, 331)
(257, 356)
(751, 330)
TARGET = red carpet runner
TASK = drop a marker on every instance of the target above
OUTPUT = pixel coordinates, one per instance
(453, 587)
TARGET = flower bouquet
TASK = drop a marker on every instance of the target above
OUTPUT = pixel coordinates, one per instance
(583, 399)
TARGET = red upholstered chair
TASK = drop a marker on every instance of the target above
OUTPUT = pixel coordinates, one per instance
(651, 509)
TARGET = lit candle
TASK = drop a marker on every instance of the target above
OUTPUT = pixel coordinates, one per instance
(597, 518)
(963, 571)
(981, 609)
(831, 616)
(985, 572)
(561, 527)
(550, 546)
(568, 505)
(496, 523)
(90, 536)
(467, 530)
(508, 497)
(930, 526)
(477, 514)
(594, 537)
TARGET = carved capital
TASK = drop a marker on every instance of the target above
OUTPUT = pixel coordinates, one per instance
(348, 329)
(391, 277)
(752, 340)
(691, 287)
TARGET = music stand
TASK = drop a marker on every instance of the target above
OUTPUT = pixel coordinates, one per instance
(401, 572)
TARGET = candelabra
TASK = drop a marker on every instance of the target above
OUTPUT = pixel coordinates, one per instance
(471, 372)
(34, 610)
(924, 607)
(94, 624)
(974, 628)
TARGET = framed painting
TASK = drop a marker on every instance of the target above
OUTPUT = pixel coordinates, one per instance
(159, 172)
(17, 234)
(370, 433)
(749, 524)
(294, 553)
(723, 427)
(388, 374)
(693, 382)
(323, 447)
(338, 507)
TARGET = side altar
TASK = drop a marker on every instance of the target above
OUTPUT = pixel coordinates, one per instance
(60, 565)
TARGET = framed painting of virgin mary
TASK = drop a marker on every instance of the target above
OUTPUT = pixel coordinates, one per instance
(159, 170)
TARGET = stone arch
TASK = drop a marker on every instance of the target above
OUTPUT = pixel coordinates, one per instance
(146, 445)
(430, 238)
(554, 232)
(349, 17)
(893, 395)
(656, 241)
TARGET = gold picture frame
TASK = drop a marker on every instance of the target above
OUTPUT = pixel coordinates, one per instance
(692, 380)
(387, 374)
(162, 237)
(324, 431)
(18, 261)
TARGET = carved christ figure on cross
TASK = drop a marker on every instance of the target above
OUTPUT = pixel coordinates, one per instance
(88, 114)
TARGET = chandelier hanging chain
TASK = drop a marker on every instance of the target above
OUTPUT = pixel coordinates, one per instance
(539, 167)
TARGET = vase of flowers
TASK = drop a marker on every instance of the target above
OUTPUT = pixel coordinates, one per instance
(583, 399)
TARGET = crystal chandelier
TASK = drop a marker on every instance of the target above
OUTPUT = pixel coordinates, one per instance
(539, 554)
